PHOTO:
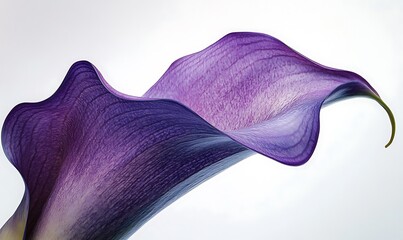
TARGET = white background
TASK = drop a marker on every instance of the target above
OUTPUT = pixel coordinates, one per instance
(352, 188)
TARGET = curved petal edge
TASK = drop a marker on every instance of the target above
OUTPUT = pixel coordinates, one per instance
(98, 164)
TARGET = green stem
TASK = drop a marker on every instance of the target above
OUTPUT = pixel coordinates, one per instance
(391, 117)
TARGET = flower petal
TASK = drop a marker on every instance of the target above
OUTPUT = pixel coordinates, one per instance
(261, 92)
(97, 163)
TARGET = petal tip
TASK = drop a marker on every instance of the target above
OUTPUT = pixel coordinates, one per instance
(391, 118)
(392, 123)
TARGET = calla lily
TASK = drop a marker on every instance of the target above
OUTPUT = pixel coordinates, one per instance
(97, 164)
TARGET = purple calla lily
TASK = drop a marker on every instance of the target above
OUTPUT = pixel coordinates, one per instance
(98, 164)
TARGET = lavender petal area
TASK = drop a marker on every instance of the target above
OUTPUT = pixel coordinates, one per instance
(260, 92)
(98, 164)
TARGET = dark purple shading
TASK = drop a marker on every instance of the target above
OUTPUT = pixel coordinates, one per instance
(98, 164)
(133, 155)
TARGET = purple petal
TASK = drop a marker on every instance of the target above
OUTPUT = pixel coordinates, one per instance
(97, 164)
(260, 92)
